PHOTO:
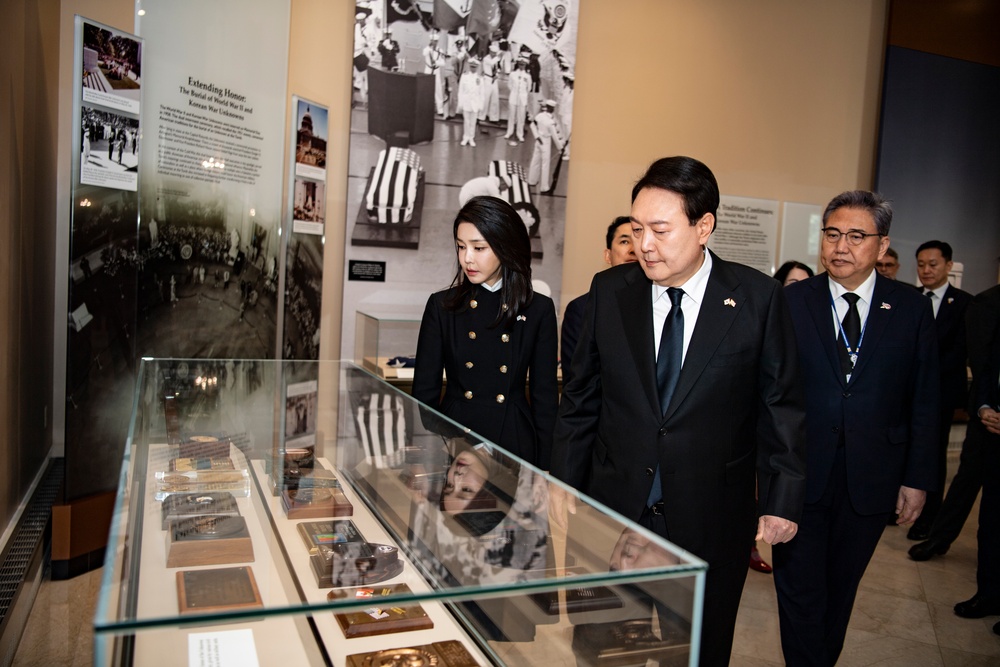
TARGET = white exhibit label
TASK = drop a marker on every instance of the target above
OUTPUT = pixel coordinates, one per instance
(231, 648)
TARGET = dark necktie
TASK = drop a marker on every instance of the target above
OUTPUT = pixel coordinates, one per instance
(668, 368)
(851, 326)
(668, 359)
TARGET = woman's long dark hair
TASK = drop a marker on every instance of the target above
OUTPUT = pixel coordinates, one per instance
(787, 267)
(503, 229)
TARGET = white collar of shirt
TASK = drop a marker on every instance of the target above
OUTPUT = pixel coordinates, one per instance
(495, 287)
(694, 293)
(938, 296)
(865, 290)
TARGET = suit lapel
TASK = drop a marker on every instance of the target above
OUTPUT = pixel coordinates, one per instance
(635, 301)
(884, 299)
(818, 304)
(946, 313)
(715, 318)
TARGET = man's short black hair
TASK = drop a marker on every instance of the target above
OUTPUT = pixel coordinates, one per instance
(687, 177)
(943, 246)
(613, 228)
(892, 253)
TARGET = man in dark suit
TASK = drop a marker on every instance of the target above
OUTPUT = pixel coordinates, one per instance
(984, 358)
(949, 303)
(869, 362)
(618, 251)
(685, 394)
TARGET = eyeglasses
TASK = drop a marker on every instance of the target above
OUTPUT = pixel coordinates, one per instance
(854, 237)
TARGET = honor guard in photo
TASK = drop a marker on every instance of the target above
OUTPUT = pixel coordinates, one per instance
(491, 76)
(471, 94)
(519, 84)
(434, 64)
(546, 130)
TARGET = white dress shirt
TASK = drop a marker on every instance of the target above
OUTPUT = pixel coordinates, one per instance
(865, 291)
(938, 296)
(694, 294)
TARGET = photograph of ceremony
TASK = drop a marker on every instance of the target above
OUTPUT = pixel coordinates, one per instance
(448, 105)
(112, 68)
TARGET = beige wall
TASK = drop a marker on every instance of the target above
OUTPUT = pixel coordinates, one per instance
(27, 206)
(779, 98)
(320, 52)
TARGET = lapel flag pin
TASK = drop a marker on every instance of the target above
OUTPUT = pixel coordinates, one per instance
(886, 306)
(729, 302)
(951, 299)
(522, 318)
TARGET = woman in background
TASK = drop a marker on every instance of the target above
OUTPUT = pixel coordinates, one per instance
(486, 332)
(792, 272)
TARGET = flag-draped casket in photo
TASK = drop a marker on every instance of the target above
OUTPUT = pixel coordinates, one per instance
(393, 188)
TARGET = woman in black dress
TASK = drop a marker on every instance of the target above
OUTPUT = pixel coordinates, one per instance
(486, 332)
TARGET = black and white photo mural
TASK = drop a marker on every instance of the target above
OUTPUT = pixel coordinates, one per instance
(453, 99)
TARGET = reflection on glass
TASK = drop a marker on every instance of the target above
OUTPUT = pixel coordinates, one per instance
(636, 552)
(463, 488)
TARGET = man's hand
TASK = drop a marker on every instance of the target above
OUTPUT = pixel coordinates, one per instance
(561, 503)
(774, 529)
(909, 504)
(990, 419)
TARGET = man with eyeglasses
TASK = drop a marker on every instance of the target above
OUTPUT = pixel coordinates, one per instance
(888, 264)
(868, 355)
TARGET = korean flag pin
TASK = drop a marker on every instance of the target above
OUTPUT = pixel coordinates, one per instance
(885, 306)
(522, 318)
(729, 302)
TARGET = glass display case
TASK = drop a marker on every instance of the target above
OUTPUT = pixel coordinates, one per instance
(394, 536)
(385, 341)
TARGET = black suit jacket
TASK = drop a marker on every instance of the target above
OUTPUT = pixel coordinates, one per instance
(570, 334)
(735, 417)
(983, 321)
(952, 347)
(888, 414)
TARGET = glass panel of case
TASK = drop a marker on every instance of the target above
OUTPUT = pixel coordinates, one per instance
(385, 341)
(331, 518)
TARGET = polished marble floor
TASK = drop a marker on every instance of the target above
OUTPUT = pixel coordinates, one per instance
(903, 616)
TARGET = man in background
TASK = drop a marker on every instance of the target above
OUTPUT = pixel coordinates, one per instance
(984, 355)
(868, 356)
(618, 250)
(949, 303)
(888, 265)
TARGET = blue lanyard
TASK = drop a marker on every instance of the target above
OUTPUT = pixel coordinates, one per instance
(851, 353)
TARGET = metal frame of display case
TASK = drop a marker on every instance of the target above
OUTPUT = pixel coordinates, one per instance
(485, 554)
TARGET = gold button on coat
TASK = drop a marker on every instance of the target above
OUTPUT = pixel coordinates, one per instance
(505, 338)
(468, 394)
(472, 335)
(503, 369)
(469, 364)
(473, 304)
(500, 398)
